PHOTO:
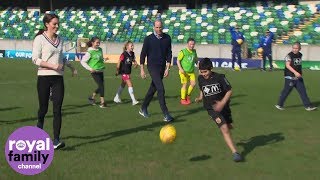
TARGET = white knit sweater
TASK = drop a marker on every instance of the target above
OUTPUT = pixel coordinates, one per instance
(45, 50)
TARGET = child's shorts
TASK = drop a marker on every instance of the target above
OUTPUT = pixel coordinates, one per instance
(184, 78)
(221, 118)
(125, 77)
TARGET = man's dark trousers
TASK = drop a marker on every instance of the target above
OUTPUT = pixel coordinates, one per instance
(156, 72)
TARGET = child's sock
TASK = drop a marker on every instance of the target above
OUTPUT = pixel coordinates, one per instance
(130, 90)
(119, 91)
(190, 89)
(183, 93)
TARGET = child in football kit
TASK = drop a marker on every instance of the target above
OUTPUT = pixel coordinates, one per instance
(185, 62)
(93, 61)
(215, 91)
(124, 66)
(293, 78)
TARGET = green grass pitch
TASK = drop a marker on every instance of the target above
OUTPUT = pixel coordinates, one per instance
(117, 143)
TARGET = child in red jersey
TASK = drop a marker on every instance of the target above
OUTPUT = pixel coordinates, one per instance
(124, 66)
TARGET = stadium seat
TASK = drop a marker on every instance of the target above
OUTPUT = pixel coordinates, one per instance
(208, 25)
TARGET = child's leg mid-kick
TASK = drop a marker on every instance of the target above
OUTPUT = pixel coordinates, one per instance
(224, 128)
(224, 125)
(227, 137)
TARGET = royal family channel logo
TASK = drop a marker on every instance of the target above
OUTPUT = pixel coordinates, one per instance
(29, 150)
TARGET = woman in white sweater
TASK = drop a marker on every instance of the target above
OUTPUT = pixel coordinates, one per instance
(47, 55)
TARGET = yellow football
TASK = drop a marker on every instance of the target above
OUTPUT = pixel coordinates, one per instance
(260, 50)
(168, 134)
(239, 41)
(237, 68)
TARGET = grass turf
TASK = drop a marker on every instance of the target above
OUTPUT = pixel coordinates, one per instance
(117, 143)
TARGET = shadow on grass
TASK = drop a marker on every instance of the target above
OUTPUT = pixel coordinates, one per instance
(187, 112)
(70, 106)
(9, 108)
(200, 158)
(34, 118)
(183, 112)
(155, 98)
(238, 96)
(293, 106)
(110, 135)
(172, 97)
(234, 104)
(109, 103)
(261, 140)
(316, 103)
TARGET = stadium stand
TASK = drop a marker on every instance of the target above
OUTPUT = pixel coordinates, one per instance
(208, 24)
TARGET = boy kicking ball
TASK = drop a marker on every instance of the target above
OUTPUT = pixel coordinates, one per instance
(215, 91)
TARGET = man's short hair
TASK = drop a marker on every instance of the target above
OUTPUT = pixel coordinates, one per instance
(297, 43)
(190, 39)
(157, 20)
